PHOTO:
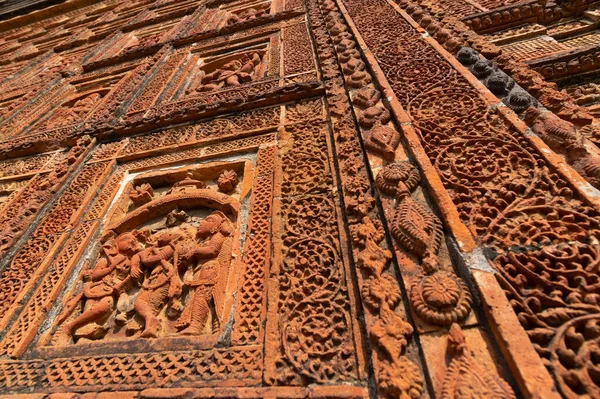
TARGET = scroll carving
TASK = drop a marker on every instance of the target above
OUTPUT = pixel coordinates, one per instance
(555, 292)
(573, 357)
(315, 329)
(311, 260)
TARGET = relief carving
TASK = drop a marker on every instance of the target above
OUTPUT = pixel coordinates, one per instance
(230, 71)
(382, 140)
(163, 266)
(248, 14)
(141, 194)
(396, 374)
(39, 190)
(227, 181)
(318, 268)
(104, 284)
(574, 354)
(74, 110)
(315, 332)
(437, 295)
(211, 264)
(554, 131)
(555, 292)
(465, 377)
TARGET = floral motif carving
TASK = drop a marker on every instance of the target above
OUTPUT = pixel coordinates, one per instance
(227, 181)
(306, 167)
(131, 278)
(488, 167)
(297, 50)
(573, 357)
(398, 177)
(315, 326)
(382, 140)
(441, 298)
(555, 291)
(438, 296)
(396, 375)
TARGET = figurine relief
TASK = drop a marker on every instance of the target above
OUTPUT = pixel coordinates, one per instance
(215, 231)
(73, 112)
(166, 277)
(238, 70)
(105, 283)
(162, 285)
(248, 14)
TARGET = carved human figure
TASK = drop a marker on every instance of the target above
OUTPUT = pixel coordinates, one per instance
(72, 114)
(214, 231)
(109, 278)
(233, 73)
(162, 285)
(246, 15)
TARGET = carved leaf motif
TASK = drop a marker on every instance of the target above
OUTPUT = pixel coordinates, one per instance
(416, 228)
(391, 332)
(558, 316)
(314, 330)
(374, 258)
(466, 378)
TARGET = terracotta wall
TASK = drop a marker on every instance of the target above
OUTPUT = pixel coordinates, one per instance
(295, 199)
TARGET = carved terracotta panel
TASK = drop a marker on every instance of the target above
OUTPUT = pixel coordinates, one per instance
(299, 199)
